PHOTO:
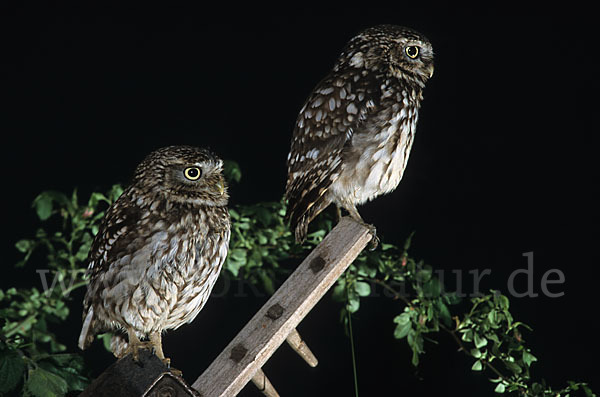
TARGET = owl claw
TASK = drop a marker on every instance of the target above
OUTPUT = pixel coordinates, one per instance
(134, 349)
(156, 343)
(175, 371)
(374, 243)
(372, 229)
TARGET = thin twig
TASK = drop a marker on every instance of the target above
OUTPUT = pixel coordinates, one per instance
(461, 347)
(351, 339)
(397, 295)
(353, 353)
(17, 327)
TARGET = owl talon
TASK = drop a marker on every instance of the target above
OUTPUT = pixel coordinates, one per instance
(134, 350)
(374, 243)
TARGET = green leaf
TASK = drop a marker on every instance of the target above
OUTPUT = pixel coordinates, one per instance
(468, 336)
(24, 245)
(500, 388)
(445, 315)
(415, 341)
(452, 298)
(11, 370)
(234, 214)
(479, 341)
(365, 271)
(67, 366)
(266, 281)
(44, 203)
(232, 171)
(528, 358)
(404, 325)
(43, 383)
(477, 366)
(235, 260)
(353, 305)
(415, 358)
(476, 353)
(537, 388)
(82, 252)
(514, 367)
(423, 276)
(403, 318)
(432, 288)
(362, 288)
(115, 192)
(408, 241)
(501, 300)
(339, 291)
(43, 206)
(493, 318)
(106, 339)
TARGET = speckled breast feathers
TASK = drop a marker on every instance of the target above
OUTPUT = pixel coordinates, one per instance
(160, 247)
(353, 135)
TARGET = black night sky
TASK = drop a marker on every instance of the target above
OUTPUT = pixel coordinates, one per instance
(504, 160)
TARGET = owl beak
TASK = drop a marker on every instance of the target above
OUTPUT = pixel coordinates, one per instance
(221, 187)
(430, 70)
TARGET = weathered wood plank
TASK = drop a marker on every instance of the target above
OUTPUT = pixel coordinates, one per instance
(295, 341)
(263, 383)
(272, 324)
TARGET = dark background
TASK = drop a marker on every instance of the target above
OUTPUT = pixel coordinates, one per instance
(504, 162)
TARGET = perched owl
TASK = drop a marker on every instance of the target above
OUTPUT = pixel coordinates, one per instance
(158, 251)
(354, 133)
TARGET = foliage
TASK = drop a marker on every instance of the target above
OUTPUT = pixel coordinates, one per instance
(31, 355)
(261, 242)
(487, 332)
(34, 361)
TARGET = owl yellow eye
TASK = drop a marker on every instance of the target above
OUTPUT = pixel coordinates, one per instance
(192, 173)
(412, 51)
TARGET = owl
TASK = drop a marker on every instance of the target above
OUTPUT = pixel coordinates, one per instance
(353, 136)
(158, 251)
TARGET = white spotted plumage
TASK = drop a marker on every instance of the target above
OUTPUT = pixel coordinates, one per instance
(353, 136)
(159, 250)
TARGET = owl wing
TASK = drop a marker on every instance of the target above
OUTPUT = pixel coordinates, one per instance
(120, 219)
(109, 243)
(334, 112)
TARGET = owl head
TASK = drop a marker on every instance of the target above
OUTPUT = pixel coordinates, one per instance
(396, 50)
(183, 174)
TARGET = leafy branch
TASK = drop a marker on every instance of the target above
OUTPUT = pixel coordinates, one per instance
(34, 361)
(31, 355)
(487, 332)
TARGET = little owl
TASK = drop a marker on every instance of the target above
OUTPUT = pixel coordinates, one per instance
(158, 251)
(353, 135)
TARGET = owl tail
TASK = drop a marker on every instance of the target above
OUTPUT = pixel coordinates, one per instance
(87, 331)
(119, 345)
(118, 342)
(300, 222)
